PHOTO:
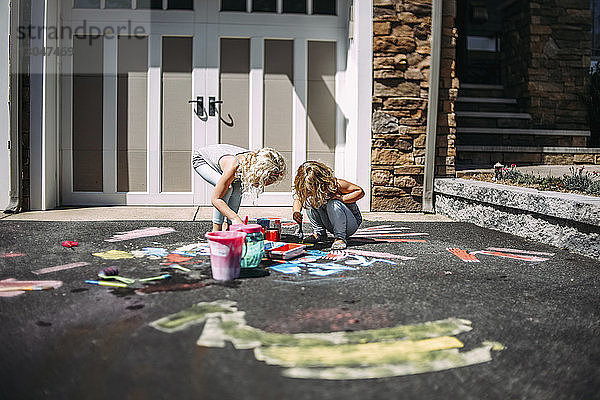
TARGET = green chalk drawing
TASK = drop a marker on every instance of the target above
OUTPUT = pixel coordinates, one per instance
(196, 314)
(375, 353)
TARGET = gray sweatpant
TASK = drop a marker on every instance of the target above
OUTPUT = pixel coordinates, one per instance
(233, 196)
(334, 217)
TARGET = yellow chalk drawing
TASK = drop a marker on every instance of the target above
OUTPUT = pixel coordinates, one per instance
(375, 353)
(357, 354)
(114, 255)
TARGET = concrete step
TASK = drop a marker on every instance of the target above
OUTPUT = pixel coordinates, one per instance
(480, 86)
(486, 107)
(487, 100)
(485, 156)
(495, 115)
(529, 149)
(516, 131)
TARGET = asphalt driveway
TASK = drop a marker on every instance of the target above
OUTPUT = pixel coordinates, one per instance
(535, 313)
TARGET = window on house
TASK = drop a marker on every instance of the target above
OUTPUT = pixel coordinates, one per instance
(294, 6)
(325, 7)
(87, 3)
(118, 4)
(180, 5)
(150, 4)
(233, 5)
(264, 5)
(319, 7)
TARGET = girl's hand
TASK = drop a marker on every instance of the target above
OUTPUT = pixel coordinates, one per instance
(237, 220)
(297, 216)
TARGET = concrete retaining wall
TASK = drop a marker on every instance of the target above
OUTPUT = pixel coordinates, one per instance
(560, 219)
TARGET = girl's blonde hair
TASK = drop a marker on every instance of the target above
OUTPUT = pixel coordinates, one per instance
(315, 184)
(260, 168)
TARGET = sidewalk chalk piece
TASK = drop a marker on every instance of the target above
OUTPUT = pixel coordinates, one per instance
(139, 233)
(378, 254)
(11, 283)
(69, 244)
(60, 268)
(11, 254)
(113, 255)
(463, 255)
(375, 353)
(513, 256)
(533, 253)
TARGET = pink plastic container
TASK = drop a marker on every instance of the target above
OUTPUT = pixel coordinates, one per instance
(226, 251)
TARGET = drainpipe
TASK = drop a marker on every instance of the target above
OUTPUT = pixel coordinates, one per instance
(432, 109)
(15, 203)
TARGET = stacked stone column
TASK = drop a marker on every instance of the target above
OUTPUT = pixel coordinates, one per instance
(401, 67)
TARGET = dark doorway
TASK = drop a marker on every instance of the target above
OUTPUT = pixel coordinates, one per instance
(479, 25)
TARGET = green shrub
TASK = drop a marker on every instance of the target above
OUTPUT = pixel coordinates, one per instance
(579, 180)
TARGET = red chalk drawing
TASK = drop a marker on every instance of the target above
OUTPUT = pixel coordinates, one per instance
(334, 255)
(463, 255)
(389, 234)
(12, 287)
(400, 240)
(535, 253)
(60, 268)
(177, 258)
(139, 233)
(513, 256)
(11, 254)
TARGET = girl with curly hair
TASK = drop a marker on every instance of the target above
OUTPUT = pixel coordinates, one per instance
(330, 203)
(235, 171)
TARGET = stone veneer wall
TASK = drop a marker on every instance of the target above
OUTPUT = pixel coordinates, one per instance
(547, 51)
(401, 66)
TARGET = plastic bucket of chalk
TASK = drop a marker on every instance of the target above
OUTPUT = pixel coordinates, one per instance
(226, 252)
(255, 244)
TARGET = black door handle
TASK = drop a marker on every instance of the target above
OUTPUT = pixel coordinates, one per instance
(212, 108)
(199, 111)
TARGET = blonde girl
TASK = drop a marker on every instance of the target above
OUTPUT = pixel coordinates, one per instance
(330, 203)
(234, 171)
